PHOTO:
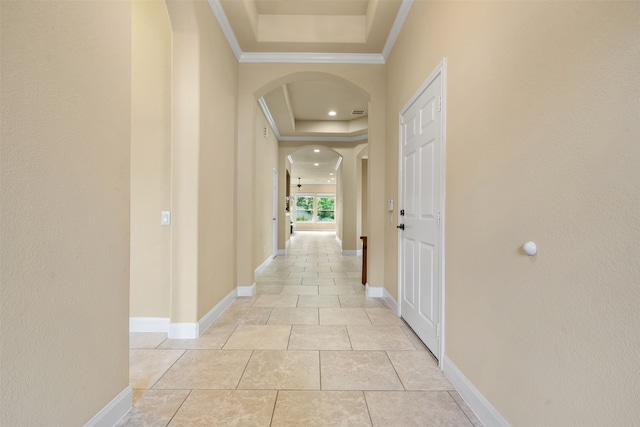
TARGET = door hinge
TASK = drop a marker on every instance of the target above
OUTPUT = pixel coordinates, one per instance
(401, 212)
(438, 331)
(438, 218)
(439, 103)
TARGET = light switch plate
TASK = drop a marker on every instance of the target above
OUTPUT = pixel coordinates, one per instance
(390, 205)
(165, 218)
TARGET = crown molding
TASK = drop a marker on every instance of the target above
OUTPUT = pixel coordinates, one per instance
(310, 58)
(267, 114)
(216, 7)
(325, 138)
(403, 12)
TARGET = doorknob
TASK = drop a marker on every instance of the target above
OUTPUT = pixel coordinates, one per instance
(401, 226)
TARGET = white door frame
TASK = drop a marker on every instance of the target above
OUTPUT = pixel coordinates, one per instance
(274, 224)
(440, 69)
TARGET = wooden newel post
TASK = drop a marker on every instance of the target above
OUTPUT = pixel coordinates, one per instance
(364, 259)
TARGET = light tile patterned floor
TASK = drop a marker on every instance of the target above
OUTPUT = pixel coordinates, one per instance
(309, 349)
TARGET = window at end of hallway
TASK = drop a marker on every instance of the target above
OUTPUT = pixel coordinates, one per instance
(326, 207)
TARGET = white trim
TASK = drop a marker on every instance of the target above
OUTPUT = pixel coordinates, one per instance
(226, 28)
(480, 406)
(282, 251)
(338, 163)
(213, 314)
(325, 138)
(391, 302)
(359, 253)
(149, 324)
(348, 252)
(246, 291)
(114, 410)
(194, 330)
(183, 331)
(311, 58)
(374, 291)
(267, 113)
(443, 207)
(441, 69)
(403, 12)
(264, 265)
(339, 241)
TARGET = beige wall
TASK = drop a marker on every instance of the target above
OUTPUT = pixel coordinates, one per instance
(202, 160)
(217, 163)
(542, 144)
(64, 241)
(257, 79)
(266, 162)
(150, 159)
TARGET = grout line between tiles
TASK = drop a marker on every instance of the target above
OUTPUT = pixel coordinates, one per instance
(463, 411)
(181, 404)
(168, 369)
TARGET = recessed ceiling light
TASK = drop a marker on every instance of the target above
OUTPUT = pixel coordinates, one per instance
(332, 113)
(329, 180)
(316, 164)
(331, 173)
(316, 151)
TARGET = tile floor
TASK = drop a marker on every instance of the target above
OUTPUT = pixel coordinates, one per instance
(309, 349)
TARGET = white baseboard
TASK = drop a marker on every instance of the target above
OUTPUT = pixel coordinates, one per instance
(246, 291)
(282, 251)
(359, 253)
(391, 302)
(149, 324)
(339, 241)
(213, 314)
(349, 252)
(194, 330)
(374, 291)
(113, 411)
(183, 330)
(476, 401)
(262, 266)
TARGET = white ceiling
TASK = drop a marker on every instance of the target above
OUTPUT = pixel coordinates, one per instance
(304, 161)
(351, 31)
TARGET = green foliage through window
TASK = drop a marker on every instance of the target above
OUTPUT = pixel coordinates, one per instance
(326, 209)
(304, 208)
(324, 206)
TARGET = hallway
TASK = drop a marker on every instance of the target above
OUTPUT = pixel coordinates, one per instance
(309, 349)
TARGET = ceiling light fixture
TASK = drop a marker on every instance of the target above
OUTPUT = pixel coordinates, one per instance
(316, 164)
(331, 173)
(332, 113)
(316, 151)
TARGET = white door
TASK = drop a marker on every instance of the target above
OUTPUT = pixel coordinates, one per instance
(274, 223)
(420, 197)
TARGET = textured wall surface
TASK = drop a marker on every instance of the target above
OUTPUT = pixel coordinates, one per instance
(150, 159)
(217, 163)
(64, 209)
(542, 144)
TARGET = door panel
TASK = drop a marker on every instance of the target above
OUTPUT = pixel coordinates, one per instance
(421, 250)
